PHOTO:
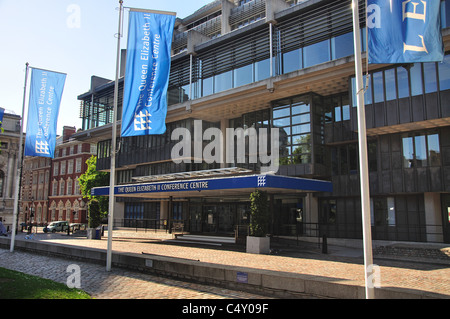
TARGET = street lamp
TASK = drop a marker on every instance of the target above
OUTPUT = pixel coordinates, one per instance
(31, 217)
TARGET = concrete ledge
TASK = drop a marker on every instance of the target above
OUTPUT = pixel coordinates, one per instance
(271, 283)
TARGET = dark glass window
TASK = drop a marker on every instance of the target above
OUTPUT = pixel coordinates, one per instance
(391, 87)
(342, 46)
(292, 61)
(262, 70)
(378, 87)
(403, 82)
(416, 79)
(207, 86)
(429, 72)
(421, 150)
(243, 75)
(316, 53)
(223, 81)
(444, 73)
(294, 120)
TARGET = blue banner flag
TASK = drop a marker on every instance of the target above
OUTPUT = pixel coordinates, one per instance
(46, 90)
(147, 73)
(2, 112)
(404, 31)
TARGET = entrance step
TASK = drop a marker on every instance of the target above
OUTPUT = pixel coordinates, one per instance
(208, 239)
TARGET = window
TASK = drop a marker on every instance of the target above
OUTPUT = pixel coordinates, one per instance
(223, 81)
(416, 79)
(341, 107)
(63, 168)
(55, 169)
(390, 85)
(429, 73)
(382, 211)
(316, 53)
(421, 150)
(378, 87)
(77, 187)
(444, 73)
(243, 75)
(70, 167)
(293, 118)
(55, 188)
(262, 70)
(292, 60)
(78, 165)
(342, 46)
(69, 187)
(61, 187)
(434, 153)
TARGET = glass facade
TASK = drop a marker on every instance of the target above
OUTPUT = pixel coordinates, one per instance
(402, 82)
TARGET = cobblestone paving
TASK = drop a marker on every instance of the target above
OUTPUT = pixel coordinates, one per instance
(116, 284)
(422, 277)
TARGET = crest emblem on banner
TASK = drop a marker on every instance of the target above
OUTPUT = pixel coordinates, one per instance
(404, 31)
(147, 73)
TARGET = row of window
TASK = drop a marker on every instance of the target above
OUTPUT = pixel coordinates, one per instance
(324, 51)
(419, 150)
(59, 168)
(405, 81)
(69, 187)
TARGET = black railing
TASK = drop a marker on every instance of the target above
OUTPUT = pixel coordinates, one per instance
(145, 224)
(418, 233)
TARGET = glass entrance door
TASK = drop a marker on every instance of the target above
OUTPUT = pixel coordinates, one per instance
(219, 218)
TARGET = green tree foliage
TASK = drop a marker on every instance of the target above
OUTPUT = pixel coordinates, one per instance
(259, 214)
(98, 205)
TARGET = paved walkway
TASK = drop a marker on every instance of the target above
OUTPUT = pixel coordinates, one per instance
(339, 265)
(116, 284)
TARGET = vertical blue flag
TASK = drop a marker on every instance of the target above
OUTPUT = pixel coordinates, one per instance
(46, 90)
(405, 31)
(147, 73)
(2, 112)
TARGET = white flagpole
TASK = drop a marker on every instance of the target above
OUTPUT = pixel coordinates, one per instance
(19, 166)
(113, 148)
(363, 159)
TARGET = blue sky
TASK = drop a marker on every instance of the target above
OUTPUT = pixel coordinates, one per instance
(76, 37)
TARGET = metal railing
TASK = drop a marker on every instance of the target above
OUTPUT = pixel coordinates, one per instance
(417, 233)
(143, 224)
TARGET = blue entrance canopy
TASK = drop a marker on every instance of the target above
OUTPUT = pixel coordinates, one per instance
(230, 185)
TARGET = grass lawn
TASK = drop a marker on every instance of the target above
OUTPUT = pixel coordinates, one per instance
(17, 285)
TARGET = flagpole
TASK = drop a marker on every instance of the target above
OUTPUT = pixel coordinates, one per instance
(113, 148)
(363, 158)
(19, 165)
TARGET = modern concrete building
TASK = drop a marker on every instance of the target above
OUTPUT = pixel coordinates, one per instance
(287, 65)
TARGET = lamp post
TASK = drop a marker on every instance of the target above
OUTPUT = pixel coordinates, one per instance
(30, 228)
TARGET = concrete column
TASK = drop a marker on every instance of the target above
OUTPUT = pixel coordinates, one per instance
(194, 38)
(225, 19)
(223, 128)
(433, 217)
(9, 174)
(272, 7)
(311, 213)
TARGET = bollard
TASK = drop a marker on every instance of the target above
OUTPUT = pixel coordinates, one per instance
(324, 245)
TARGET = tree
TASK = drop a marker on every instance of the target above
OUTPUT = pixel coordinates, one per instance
(98, 205)
(259, 212)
